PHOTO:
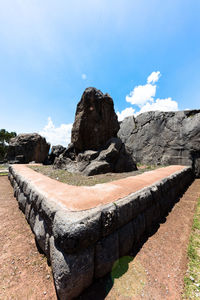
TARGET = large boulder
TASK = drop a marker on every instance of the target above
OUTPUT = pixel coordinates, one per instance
(26, 148)
(95, 121)
(163, 138)
(95, 148)
(113, 157)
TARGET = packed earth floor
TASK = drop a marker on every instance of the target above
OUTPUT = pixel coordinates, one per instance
(156, 271)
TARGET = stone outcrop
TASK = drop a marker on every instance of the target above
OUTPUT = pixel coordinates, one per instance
(112, 158)
(95, 121)
(26, 148)
(95, 148)
(56, 151)
(164, 138)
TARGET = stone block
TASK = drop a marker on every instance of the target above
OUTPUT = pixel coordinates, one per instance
(47, 210)
(27, 210)
(106, 253)
(32, 217)
(72, 272)
(150, 217)
(126, 239)
(145, 199)
(15, 188)
(16, 191)
(77, 230)
(27, 188)
(127, 208)
(22, 201)
(139, 227)
(40, 230)
(109, 221)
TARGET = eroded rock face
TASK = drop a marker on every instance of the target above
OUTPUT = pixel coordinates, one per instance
(112, 158)
(164, 138)
(95, 121)
(95, 148)
(26, 148)
(55, 152)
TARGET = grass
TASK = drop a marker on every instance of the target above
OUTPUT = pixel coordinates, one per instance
(78, 179)
(128, 278)
(192, 277)
(3, 167)
(4, 174)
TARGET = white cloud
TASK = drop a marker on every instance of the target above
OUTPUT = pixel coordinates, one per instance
(129, 111)
(57, 135)
(160, 104)
(143, 97)
(84, 76)
(141, 94)
(153, 77)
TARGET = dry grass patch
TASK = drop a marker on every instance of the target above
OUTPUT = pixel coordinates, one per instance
(79, 179)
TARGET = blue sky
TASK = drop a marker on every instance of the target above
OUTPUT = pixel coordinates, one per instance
(50, 51)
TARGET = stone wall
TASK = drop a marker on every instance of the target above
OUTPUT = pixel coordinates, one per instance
(83, 245)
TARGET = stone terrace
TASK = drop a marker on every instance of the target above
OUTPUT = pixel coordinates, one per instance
(84, 230)
(77, 198)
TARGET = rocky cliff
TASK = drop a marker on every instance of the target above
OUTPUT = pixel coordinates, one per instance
(163, 138)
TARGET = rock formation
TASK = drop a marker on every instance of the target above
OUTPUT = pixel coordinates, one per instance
(112, 158)
(55, 152)
(95, 121)
(26, 148)
(163, 138)
(94, 147)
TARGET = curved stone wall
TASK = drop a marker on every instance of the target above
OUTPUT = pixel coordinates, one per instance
(83, 245)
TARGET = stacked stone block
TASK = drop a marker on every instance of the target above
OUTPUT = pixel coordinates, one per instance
(83, 245)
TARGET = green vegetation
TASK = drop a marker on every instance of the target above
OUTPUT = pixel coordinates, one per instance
(78, 179)
(5, 137)
(128, 278)
(3, 169)
(192, 278)
(4, 174)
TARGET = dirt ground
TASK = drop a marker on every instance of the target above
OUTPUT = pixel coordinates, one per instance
(156, 272)
(24, 273)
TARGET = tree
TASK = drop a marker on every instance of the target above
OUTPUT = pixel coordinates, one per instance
(5, 137)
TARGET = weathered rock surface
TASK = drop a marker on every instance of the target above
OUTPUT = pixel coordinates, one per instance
(28, 147)
(163, 138)
(95, 121)
(112, 158)
(94, 147)
(55, 152)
